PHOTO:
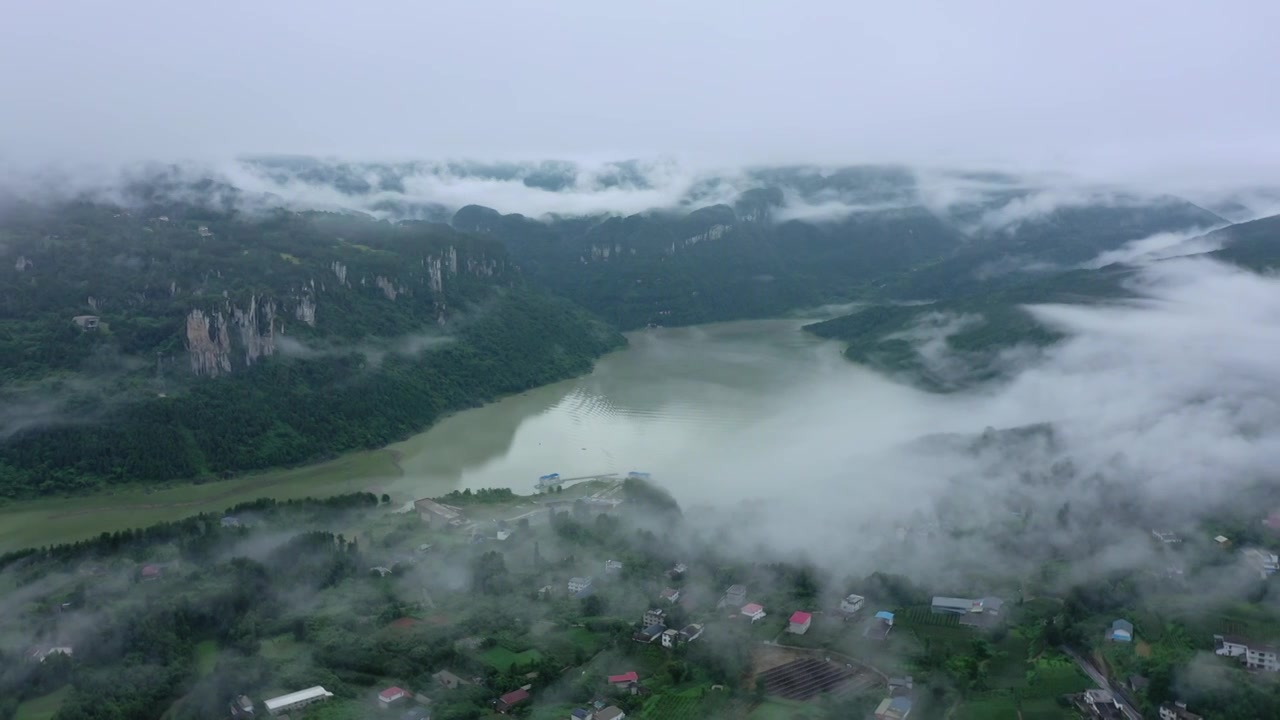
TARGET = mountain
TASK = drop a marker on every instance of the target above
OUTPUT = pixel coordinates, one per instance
(973, 329)
(148, 343)
(806, 238)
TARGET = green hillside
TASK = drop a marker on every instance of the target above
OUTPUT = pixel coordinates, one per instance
(226, 343)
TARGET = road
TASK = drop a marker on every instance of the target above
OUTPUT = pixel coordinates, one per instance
(1102, 681)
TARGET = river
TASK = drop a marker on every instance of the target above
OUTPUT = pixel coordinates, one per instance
(672, 399)
(692, 406)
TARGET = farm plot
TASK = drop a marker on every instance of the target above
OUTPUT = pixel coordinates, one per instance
(502, 659)
(805, 679)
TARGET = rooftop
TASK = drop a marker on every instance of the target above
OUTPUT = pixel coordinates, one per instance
(391, 693)
(800, 617)
(752, 608)
(609, 713)
(515, 696)
(283, 701)
(624, 677)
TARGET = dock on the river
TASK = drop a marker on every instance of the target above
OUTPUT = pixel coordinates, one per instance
(552, 481)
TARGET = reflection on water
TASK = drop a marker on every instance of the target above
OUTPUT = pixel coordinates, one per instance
(673, 397)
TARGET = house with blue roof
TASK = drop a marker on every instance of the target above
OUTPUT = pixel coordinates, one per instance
(895, 708)
(1121, 631)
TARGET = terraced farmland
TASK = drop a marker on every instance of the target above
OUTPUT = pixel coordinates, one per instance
(807, 678)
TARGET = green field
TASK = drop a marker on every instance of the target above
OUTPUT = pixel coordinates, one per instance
(1008, 669)
(1054, 677)
(503, 659)
(673, 707)
(992, 707)
(51, 521)
(206, 657)
(778, 709)
(43, 707)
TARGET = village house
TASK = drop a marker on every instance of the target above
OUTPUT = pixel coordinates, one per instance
(390, 696)
(297, 700)
(852, 604)
(448, 680)
(649, 634)
(44, 653)
(612, 567)
(578, 584)
(1254, 655)
(86, 322)
(671, 595)
(670, 638)
(229, 521)
(625, 680)
(611, 713)
(800, 622)
(654, 616)
(900, 686)
(582, 714)
(894, 708)
(1222, 541)
(755, 611)
(545, 592)
(1101, 704)
(981, 612)
(150, 572)
(1177, 711)
(511, 699)
(1266, 563)
(678, 571)
(242, 706)
(690, 633)
(1166, 537)
(1121, 631)
(735, 596)
(879, 627)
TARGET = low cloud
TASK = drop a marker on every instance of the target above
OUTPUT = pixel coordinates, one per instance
(1160, 246)
(881, 476)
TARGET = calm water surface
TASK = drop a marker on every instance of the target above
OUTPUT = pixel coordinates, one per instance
(675, 397)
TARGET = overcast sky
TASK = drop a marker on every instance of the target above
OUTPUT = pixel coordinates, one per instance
(1136, 84)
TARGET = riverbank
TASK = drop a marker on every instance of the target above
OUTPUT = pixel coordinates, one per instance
(50, 521)
(674, 399)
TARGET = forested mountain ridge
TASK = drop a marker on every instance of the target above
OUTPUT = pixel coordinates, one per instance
(148, 344)
(215, 290)
(726, 262)
(988, 318)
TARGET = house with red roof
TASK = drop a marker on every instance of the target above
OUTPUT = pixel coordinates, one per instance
(624, 679)
(391, 695)
(511, 699)
(800, 622)
(755, 611)
(150, 572)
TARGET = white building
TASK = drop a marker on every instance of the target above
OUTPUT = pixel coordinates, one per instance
(297, 700)
(852, 604)
(670, 638)
(735, 596)
(1254, 655)
(1262, 657)
(1265, 562)
(1177, 711)
(655, 616)
(578, 584)
(612, 567)
(755, 611)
